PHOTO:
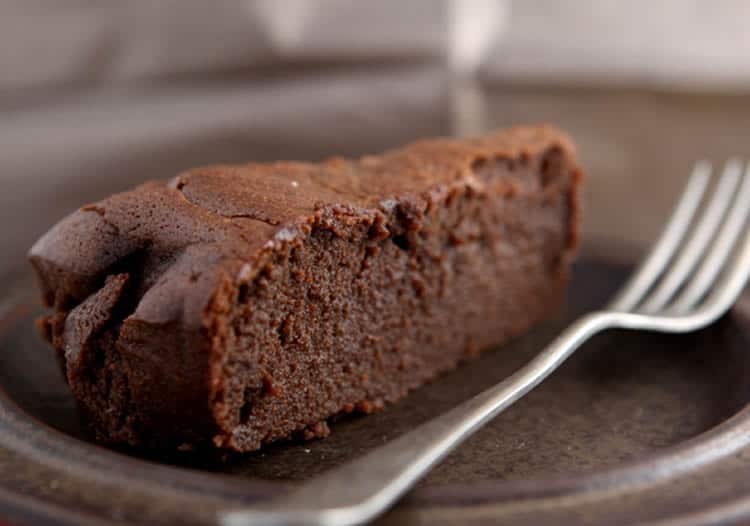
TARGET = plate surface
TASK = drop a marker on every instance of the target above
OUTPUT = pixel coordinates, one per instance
(634, 428)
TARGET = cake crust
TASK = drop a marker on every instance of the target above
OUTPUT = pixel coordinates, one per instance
(238, 305)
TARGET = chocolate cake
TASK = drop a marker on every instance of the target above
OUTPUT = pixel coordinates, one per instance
(239, 305)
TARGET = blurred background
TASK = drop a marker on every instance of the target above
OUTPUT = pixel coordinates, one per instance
(96, 96)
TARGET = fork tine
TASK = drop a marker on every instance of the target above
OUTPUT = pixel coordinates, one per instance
(730, 285)
(692, 252)
(661, 253)
(720, 251)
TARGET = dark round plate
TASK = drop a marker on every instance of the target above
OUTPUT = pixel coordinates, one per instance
(635, 428)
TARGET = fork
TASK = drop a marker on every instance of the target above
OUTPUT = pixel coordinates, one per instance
(693, 274)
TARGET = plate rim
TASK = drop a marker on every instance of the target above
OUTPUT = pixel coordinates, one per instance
(46, 442)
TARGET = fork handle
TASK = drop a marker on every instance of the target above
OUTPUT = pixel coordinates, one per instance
(359, 491)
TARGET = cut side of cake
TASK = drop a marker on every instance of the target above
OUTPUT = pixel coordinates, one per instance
(238, 305)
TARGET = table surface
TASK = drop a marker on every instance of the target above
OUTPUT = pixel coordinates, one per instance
(637, 148)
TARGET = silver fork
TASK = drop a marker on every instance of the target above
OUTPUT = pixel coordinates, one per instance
(693, 274)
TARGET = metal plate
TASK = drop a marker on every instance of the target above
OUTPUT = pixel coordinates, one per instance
(636, 428)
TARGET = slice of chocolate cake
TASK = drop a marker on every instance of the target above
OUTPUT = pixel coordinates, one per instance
(238, 305)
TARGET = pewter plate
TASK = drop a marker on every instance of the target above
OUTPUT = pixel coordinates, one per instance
(636, 428)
